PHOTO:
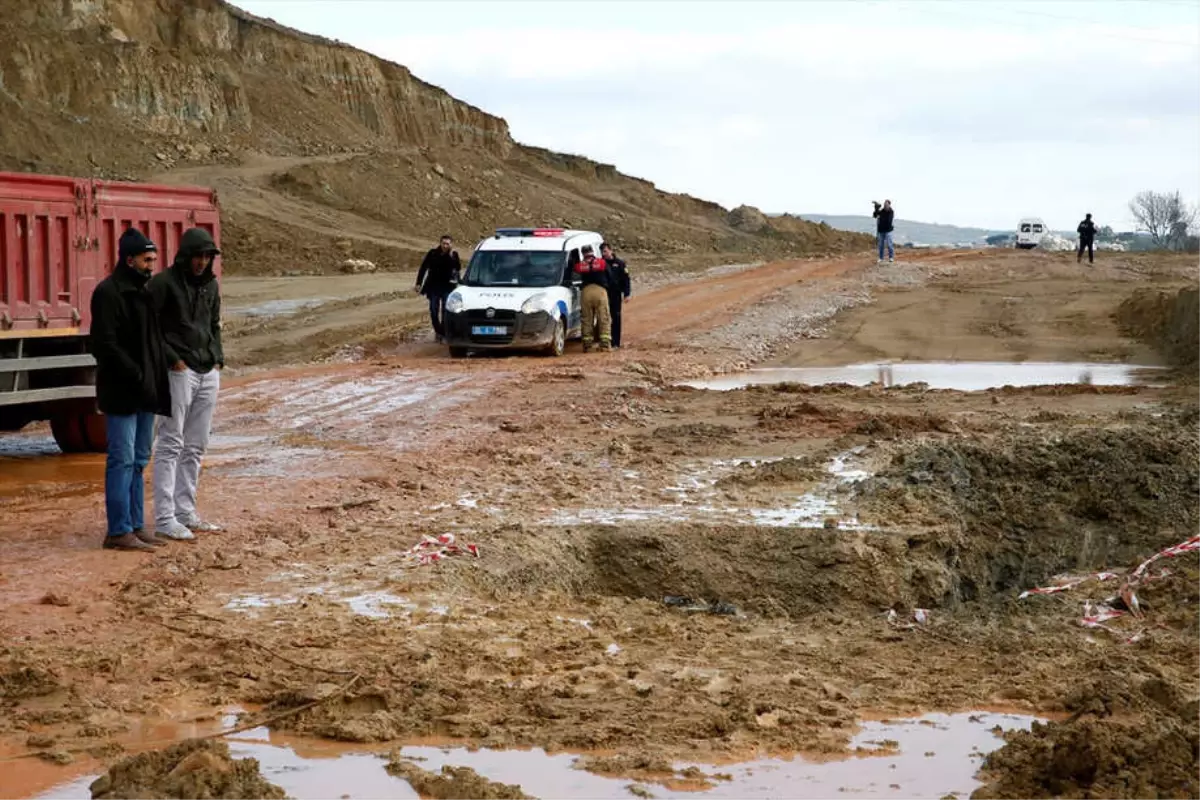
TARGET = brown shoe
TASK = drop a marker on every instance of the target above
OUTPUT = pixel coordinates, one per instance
(149, 538)
(126, 541)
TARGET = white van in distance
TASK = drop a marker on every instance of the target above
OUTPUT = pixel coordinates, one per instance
(519, 292)
(1030, 232)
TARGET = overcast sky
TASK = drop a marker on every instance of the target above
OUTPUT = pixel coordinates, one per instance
(970, 113)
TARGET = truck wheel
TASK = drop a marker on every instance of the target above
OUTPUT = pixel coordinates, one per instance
(558, 344)
(95, 431)
(80, 433)
(458, 352)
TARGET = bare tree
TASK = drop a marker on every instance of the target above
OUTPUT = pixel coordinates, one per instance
(1164, 216)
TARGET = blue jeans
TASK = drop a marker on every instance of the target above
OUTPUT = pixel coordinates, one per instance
(885, 240)
(437, 311)
(129, 440)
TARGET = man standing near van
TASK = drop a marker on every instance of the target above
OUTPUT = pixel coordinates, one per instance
(131, 386)
(187, 300)
(1087, 238)
(436, 279)
(885, 216)
(618, 289)
(597, 324)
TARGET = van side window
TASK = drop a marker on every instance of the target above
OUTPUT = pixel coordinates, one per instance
(573, 258)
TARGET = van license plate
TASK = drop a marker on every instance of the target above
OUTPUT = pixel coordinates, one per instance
(489, 330)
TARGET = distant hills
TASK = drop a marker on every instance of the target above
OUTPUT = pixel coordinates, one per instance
(929, 233)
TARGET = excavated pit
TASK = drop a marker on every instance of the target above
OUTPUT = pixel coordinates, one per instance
(952, 522)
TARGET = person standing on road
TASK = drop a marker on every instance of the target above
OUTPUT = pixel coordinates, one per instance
(131, 386)
(187, 300)
(1087, 238)
(618, 289)
(436, 279)
(885, 217)
(597, 324)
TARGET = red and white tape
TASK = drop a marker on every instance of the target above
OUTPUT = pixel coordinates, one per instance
(1095, 617)
(432, 549)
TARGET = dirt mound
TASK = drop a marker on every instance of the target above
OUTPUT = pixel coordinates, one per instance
(788, 470)
(198, 768)
(693, 431)
(20, 680)
(760, 570)
(1086, 499)
(1170, 322)
(806, 414)
(891, 426)
(453, 783)
(1121, 742)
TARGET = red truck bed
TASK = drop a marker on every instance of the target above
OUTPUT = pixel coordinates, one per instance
(58, 239)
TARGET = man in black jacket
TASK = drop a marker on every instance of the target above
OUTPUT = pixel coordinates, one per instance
(187, 300)
(131, 386)
(618, 289)
(1087, 238)
(885, 217)
(436, 279)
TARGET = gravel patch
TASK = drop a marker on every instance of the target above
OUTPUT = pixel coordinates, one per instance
(806, 311)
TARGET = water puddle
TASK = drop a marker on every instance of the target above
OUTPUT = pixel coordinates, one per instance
(695, 498)
(370, 409)
(277, 308)
(24, 445)
(378, 604)
(933, 756)
(33, 461)
(963, 376)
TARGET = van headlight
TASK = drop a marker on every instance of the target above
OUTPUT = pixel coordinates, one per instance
(454, 303)
(539, 302)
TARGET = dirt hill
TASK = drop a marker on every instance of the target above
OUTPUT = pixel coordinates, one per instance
(320, 151)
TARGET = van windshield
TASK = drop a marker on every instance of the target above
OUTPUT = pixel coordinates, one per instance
(532, 268)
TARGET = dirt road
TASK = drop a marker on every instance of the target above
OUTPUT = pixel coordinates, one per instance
(594, 487)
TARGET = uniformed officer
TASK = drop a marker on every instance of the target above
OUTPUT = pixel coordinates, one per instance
(618, 289)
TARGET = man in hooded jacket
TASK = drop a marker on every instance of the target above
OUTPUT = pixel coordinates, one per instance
(131, 386)
(187, 300)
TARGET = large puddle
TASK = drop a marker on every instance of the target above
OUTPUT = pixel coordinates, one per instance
(33, 461)
(933, 756)
(967, 376)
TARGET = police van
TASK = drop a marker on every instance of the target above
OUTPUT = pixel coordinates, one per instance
(1030, 232)
(519, 292)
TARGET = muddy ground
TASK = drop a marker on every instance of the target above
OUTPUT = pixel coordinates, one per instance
(796, 530)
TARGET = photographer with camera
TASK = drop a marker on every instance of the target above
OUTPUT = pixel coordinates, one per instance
(885, 216)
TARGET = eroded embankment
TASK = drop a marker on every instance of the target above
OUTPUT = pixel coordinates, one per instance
(953, 521)
(1167, 321)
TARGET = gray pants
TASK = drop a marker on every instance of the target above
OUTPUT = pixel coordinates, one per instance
(180, 445)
